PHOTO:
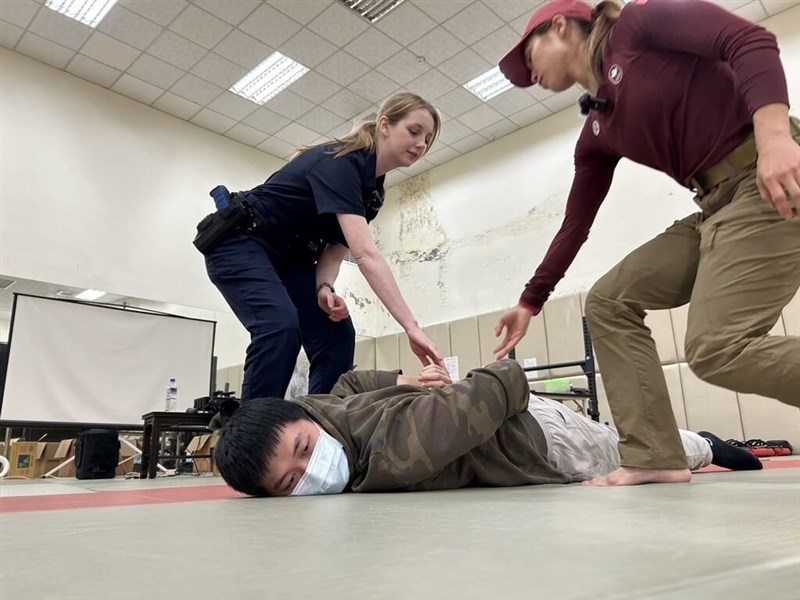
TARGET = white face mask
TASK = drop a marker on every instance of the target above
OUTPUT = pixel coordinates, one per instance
(327, 471)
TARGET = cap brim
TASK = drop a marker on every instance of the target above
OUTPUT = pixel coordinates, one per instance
(513, 66)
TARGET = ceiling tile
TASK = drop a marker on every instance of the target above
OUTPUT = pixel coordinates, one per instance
(161, 11)
(200, 27)
(394, 178)
(418, 167)
(342, 68)
(494, 46)
(469, 143)
(452, 131)
(499, 129)
(19, 12)
(373, 86)
(480, 117)
(246, 135)
(267, 121)
(473, 23)
(270, 26)
(511, 101)
(109, 51)
(277, 147)
(437, 46)
(441, 154)
(92, 70)
(534, 113)
(137, 89)
(753, 11)
(373, 47)
(233, 106)
(195, 89)
(243, 50)
(153, 70)
(730, 4)
(9, 34)
(509, 10)
(538, 92)
(441, 10)
(457, 102)
(307, 48)
(773, 7)
(177, 106)
(338, 25)
(44, 50)
(405, 24)
(230, 11)
(565, 99)
(178, 51)
(128, 27)
(403, 67)
(302, 12)
(432, 84)
(465, 66)
(296, 134)
(314, 87)
(60, 29)
(346, 104)
(321, 120)
(218, 70)
(289, 105)
(340, 131)
(213, 121)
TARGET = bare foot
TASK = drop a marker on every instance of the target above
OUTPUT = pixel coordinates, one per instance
(636, 476)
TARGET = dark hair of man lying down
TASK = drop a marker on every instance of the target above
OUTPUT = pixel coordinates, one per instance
(248, 442)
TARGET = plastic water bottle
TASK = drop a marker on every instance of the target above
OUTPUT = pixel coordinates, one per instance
(172, 395)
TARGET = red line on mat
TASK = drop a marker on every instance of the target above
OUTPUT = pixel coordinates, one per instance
(203, 493)
(138, 497)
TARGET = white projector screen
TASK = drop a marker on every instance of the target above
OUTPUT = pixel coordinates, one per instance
(73, 362)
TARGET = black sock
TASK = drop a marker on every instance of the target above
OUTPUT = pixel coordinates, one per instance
(729, 456)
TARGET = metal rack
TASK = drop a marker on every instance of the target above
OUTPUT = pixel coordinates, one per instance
(587, 365)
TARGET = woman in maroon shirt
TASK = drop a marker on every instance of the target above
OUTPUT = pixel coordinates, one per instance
(698, 93)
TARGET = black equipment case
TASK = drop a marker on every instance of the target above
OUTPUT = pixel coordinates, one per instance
(96, 454)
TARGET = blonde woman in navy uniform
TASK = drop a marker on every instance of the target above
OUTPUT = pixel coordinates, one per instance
(279, 278)
(698, 93)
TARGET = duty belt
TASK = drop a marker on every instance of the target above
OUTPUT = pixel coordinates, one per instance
(733, 164)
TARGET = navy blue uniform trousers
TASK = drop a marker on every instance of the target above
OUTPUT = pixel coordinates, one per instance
(277, 303)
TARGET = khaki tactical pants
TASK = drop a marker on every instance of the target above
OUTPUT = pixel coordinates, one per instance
(737, 263)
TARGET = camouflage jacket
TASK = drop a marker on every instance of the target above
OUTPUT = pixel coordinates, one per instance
(475, 432)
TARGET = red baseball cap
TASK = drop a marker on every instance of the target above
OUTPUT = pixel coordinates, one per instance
(513, 63)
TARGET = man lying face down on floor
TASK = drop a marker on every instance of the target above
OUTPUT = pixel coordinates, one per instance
(379, 431)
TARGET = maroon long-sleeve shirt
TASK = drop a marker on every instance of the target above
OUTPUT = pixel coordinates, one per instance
(682, 79)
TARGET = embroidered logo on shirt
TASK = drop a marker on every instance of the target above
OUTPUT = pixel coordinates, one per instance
(615, 74)
(595, 127)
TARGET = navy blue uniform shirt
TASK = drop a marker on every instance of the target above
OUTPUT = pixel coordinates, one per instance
(302, 199)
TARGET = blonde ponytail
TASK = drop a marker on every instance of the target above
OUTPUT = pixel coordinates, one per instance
(605, 16)
(364, 135)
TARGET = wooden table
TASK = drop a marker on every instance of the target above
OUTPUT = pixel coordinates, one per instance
(155, 423)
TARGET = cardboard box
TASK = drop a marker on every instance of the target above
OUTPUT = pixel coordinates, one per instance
(127, 455)
(22, 459)
(213, 445)
(64, 451)
(200, 445)
(46, 457)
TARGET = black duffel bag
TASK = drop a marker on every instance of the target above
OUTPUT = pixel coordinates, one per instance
(96, 454)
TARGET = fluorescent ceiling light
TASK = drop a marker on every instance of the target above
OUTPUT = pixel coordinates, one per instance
(89, 12)
(274, 74)
(371, 10)
(489, 85)
(90, 295)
